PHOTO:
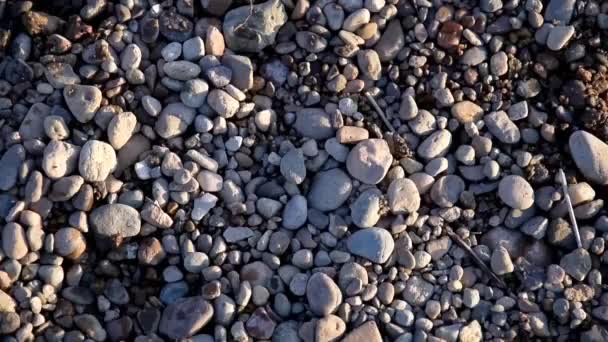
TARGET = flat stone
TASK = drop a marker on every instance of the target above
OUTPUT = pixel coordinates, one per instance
(323, 294)
(329, 190)
(174, 120)
(10, 163)
(369, 161)
(501, 126)
(115, 221)
(435, 145)
(295, 212)
(314, 123)
(185, 317)
(516, 192)
(374, 244)
(182, 70)
(559, 10)
(96, 161)
(252, 28)
(83, 101)
(589, 154)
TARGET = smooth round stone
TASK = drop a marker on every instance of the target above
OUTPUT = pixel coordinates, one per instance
(292, 166)
(194, 93)
(501, 126)
(115, 220)
(589, 154)
(403, 196)
(182, 70)
(121, 128)
(82, 100)
(295, 213)
(365, 210)
(446, 191)
(435, 145)
(314, 123)
(70, 243)
(222, 103)
(323, 294)
(369, 161)
(329, 190)
(97, 160)
(171, 51)
(466, 111)
(14, 242)
(59, 159)
(193, 48)
(516, 192)
(408, 108)
(174, 120)
(373, 244)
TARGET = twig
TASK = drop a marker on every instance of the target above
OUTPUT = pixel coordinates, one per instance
(476, 258)
(239, 26)
(577, 234)
(379, 111)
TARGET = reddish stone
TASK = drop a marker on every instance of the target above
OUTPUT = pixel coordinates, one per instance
(449, 35)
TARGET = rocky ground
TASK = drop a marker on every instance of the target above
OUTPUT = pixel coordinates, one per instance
(303, 170)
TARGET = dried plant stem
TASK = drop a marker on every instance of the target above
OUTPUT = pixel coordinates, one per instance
(577, 234)
(379, 111)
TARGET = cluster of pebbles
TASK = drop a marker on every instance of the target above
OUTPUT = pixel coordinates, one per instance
(303, 170)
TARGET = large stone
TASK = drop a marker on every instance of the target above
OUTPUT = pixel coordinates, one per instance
(10, 163)
(185, 317)
(96, 161)
(174, 120)
(589, 154)
(295, 213)
(82, 100)
(115, 221)
(466, 111)
(323, 294)
(59, 159)
(417, 291)
(373, 244)
(329, 190)
(32, 126)
(516, 192)
(391, 41)
(403, 196)
(366, 332)
(252, 28)
(369, 161)
(314, 123)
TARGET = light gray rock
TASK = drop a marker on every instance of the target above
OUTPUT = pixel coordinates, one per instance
(221, 102)
(121, 128)
(96, 161)
(32, 126)
(559, 37)
(323, 294)
(365, 210)
(252, 28)
(242, 70)
(408, 108)
(466, 111)
(501, 126)
(559, 10)
(185, 317)
(10, 163)
(329, 190)
(501, 261)
(314, 123)
(403, 196)
(577, 263)
(292, 166)
(446, 190)
(516, 192)
(115, 221)
(194, 93)
(295, 212)
(82, 100)
(373, 244)
(14, 241)
(417, 291)
(182, 70)
(59, 159)
(589, 154)
(435, 145)
(369, 161)
(174, 120)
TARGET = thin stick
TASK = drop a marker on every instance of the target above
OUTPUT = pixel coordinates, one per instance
(476, 258)
(577, 234)
(379, 111)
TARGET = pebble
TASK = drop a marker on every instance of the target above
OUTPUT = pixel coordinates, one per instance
(516, 192)
(373, 244)
(121, 128)
(115, 221)
(14, 243)
(435, 145)
(314, 123)
(577, 263)
(194, 93)
(501, 261)
(466, 111)
(293, 166)
(70, 243)
(262, 31)
(369, 64)
(446, 191)
(185, 317)
(365, 210)
(174, 120)
(10, 163)
(329, 190)
(391, 42)
(82, 100)
(222, 103)
(369, 161)
(96, 161)
(501, 126)
(323, 294)
(403, 196)
(295, 213)
(587, 151)
(181, 70)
